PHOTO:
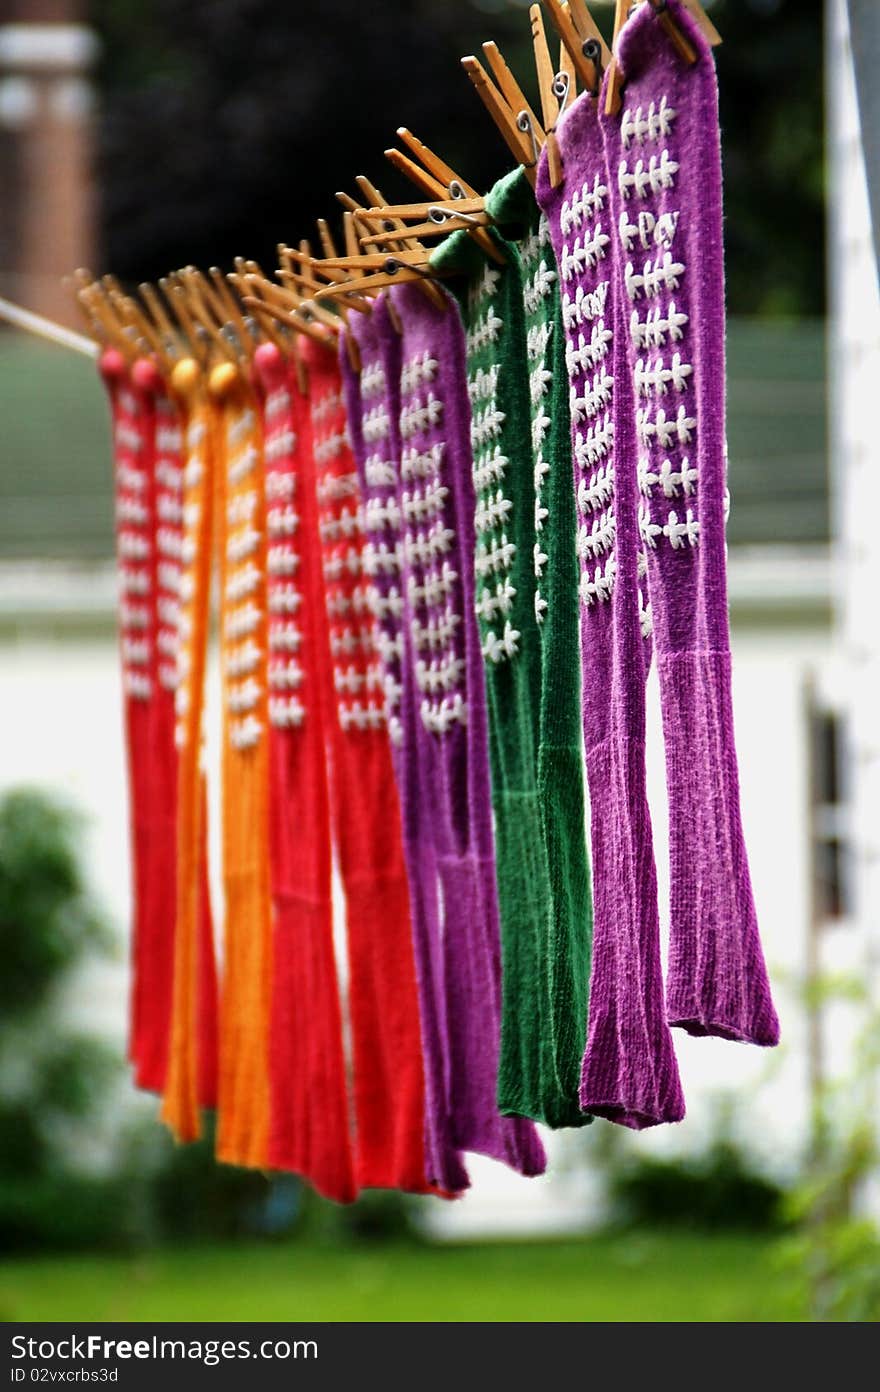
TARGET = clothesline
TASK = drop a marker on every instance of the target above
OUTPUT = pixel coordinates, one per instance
(33, 323)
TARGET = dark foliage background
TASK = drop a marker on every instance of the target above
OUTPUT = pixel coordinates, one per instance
(228, 125)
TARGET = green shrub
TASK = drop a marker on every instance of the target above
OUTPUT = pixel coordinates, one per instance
(717, 1190)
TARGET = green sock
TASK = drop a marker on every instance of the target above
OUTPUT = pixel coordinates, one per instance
(493, 308)
(560, 735)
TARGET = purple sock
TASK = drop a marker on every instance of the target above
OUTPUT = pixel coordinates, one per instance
(629, 1072)
(372, 400)
(437, 507)
(664, 165)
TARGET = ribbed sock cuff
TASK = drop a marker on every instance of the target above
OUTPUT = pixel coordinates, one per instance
(717, 981)
(629, 1073)
(570, 927)
(526, 1082)
(472, 990)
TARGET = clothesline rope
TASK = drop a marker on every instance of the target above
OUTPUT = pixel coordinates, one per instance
(46, 328)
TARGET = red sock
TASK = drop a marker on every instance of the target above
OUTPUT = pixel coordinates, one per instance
(166, 455)
(132, 412)
(388, 1073)
(309, 1130)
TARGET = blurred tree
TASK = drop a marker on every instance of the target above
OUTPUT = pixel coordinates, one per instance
(52, 1082)
(228, 125)
(832, 1256)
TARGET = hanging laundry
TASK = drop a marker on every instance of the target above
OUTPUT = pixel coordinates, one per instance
(191, 1080)
(559, 776)
(491, 296)
(146, 435)
(629, 1072)
(243, 1101)
(388, 1075)
(309, 1131)
(438, 507)
(373, 406)
(664, 165)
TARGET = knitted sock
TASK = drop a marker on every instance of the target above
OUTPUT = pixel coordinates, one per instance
(666, 201)
(373, 409)
(438, 504)
(388, 1070)
(167, 485)
(133, 483)
(206, 996)
(629, 1072)
(243, 1125)
(192, 1065)
(492, 307)
(310, 1129)
(560, 779)
(147, 432)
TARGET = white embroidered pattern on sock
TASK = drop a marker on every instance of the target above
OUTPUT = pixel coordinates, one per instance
(433, 587)
(665, 471)
(540, 279)
(381, 560)
(169, 536)
(244, 578)
(342, 525)
(490, 465)
(591, 388)
(285, 675)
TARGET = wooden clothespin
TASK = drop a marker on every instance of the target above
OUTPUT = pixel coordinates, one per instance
(398, 237)
(198, 300)
(615, 77)
(680, 42)
(508, 107)
(144, 327)
(92, 325)
(441, 216)
(227, 301)
(554, 88)
(378, 270)
(339, 285)
(277, 323)
(155, 308)
(438, 180)
(376, 199)
(218, 304)
(703, 22)
(191, 290)
(99, 307)
(132, 315)
(194, 338)
(581, 39)
(326, 267)
(301, 285)
(268, 325)
(257, 299)
(329, 276)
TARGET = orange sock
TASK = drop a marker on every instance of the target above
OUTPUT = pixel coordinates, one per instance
(243, 1103)
(191, 1079)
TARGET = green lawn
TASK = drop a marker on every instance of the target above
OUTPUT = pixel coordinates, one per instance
(629, 1278)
